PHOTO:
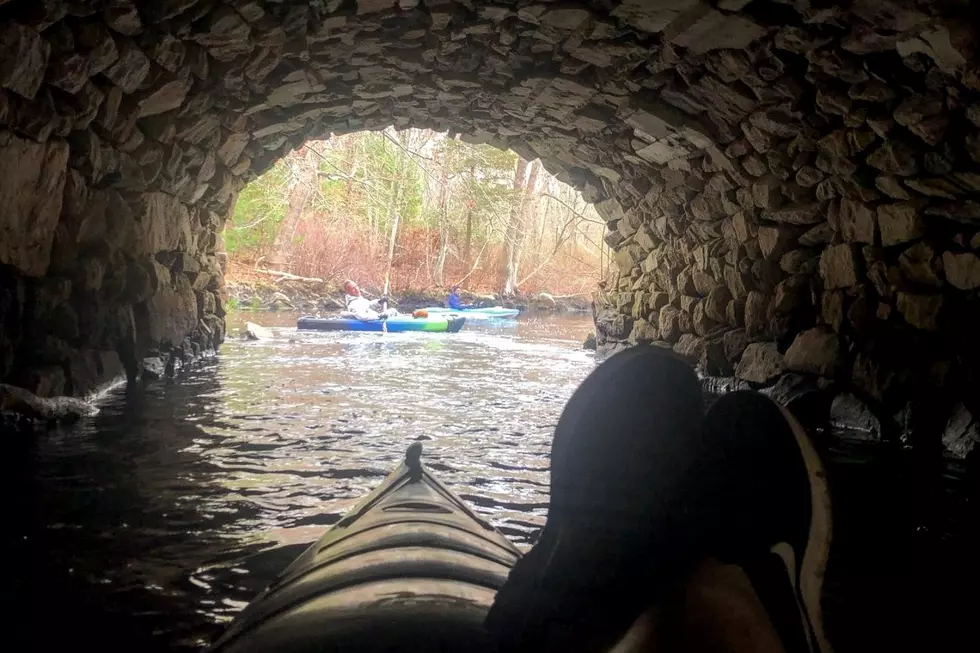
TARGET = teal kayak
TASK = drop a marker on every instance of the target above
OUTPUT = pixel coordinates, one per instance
(395, 324)
(475, 313)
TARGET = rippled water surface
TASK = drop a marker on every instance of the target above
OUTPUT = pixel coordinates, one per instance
(153, 523)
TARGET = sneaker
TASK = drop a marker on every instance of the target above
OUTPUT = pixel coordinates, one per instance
(620, 463)
(769, 506)
(643, 489)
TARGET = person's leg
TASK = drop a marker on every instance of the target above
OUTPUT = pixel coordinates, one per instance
(642, 495)
(773, 515)
(766, 525)
(619, 465)
(714, 610)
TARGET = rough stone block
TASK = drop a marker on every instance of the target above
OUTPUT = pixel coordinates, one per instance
(962, 270)
(832, 309)
(130, 69)
(799, 261)
(173, 312)
(609, 209)
(165, 97)
(899, 223)
(921, 311)
(716, 304)
(653, 17)
(895, 158)
(756, 313)
(766, 193)
(891, 187)
(839, 266)
(23, 59)
(670, 328)
(744, 226)
(962, 434)
(713, 30)
(163, 223)
(91, 369)
(791, 294)
(801, 214)
(857, 222)
(821, 234)
(738, 284)
(761, 362)
(776, 241)
(814, 351)
(808, 176)
(704, 283)
(918, 265)
(735, 342)
(690, 347)
(643, 331)
(32, 181)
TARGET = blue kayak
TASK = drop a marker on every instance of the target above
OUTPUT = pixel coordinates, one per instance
(398, 323)
(476, 313)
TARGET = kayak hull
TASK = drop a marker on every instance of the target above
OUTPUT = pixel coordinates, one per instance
(478, 313)
(410, 568)
(437, 324)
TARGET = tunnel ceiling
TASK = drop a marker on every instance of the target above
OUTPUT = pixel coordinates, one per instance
(792, 180)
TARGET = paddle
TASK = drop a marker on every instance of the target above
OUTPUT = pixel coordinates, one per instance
(391, 255)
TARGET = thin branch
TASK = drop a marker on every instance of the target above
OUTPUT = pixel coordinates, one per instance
(572, 209)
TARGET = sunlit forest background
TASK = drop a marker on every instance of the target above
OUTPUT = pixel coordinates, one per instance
(459, 213)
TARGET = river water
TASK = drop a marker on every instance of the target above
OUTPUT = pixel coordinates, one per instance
(148, 527)
(152, 524)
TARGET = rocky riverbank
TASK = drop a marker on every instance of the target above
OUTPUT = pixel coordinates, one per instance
(285, 293)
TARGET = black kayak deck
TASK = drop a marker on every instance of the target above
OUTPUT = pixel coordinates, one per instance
(410, 568)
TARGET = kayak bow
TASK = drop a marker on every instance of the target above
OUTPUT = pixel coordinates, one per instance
(410, 568)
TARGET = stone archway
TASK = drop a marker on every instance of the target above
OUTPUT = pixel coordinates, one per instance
(789, 181)
(791, 187)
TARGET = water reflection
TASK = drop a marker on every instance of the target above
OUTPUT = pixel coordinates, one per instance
(149, 525)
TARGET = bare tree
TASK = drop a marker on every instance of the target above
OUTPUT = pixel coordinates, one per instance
(439, 276)
(511, 235)
(304, 172)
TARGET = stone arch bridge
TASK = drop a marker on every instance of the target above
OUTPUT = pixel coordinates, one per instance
(791, 186)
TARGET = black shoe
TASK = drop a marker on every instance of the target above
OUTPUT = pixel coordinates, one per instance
(770, 508)
(641, 493)
(618, 527)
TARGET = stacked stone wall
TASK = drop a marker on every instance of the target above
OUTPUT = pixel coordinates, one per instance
(790, 187)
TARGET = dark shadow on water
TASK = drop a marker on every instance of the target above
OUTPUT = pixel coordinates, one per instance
(149, 526)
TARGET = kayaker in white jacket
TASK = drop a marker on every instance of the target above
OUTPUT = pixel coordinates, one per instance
(362, 308)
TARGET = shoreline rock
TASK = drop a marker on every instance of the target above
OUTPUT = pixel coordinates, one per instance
(290, 295)
(24, 403)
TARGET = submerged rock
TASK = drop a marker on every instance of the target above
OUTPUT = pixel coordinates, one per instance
(590, 342)
(855, 418)
(255, 332)
(23, 402)
(962, 433)
(153, 367)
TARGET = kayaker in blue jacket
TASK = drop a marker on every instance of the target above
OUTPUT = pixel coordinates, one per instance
(454, 300)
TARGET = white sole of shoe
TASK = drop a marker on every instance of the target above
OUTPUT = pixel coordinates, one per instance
(817, 550)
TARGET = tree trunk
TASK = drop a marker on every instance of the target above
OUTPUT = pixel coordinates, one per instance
(527, 202)
(440, 267)
(513, 228)
(304, 170)
(468, 243)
